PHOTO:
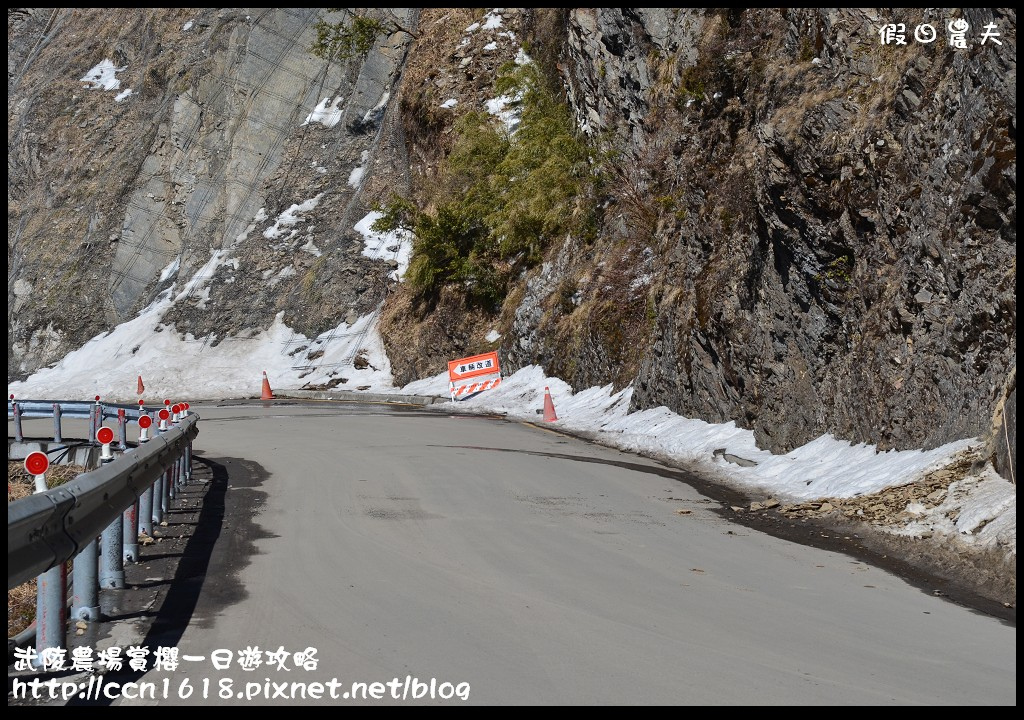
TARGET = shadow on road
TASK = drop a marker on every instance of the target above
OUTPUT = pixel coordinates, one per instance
(185, 578)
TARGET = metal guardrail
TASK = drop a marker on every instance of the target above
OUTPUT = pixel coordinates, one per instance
(49, 528)
(96, 412)
(70, 408)
(106, 507)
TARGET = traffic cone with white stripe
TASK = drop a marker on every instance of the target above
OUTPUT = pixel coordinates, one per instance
(549, 407)
(266, 394)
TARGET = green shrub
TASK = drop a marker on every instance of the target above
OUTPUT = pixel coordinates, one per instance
(840, 269)
(345, 40)
(544, 176)
(503, 199)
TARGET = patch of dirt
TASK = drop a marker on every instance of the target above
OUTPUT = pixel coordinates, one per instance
(887, 508)
(329, 385)
(421, 336)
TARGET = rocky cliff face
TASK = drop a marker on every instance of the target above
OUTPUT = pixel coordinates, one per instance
(840, 252)
(798, 228)
(204, 165)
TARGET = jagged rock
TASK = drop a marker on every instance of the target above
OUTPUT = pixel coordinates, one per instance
(774, 275)
(735, 459)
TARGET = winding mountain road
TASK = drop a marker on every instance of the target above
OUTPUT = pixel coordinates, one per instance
(521, 567)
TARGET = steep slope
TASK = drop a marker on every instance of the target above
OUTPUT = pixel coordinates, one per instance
(800, 228)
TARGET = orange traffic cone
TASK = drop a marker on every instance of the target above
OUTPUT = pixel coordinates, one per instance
(549, 407)
(142, 388)
(267, 394)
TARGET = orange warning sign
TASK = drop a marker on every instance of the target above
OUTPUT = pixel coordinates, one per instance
(471, 367)
(464, 368)
(476, 387)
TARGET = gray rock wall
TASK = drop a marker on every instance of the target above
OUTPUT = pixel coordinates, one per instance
(114, 199)
(841, 252)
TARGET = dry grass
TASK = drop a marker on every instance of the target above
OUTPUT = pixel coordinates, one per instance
(420, 341)
(21, 601)
(20, 484)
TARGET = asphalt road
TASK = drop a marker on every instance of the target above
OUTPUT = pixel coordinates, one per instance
(524, 567)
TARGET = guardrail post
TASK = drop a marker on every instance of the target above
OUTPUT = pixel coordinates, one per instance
(130, 539)
(158, 500)
(182, 479)
(85, 605)
(51, 597)
(122, 430)
(165, 496)
(172, 483)
(145, 512)
(188, 462)
(146, 504)
(95, 420)
(56, 424)
(160, 487)
(112, 570)
(51, 609)
(18, 436)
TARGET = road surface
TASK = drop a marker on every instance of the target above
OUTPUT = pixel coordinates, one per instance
(521, 567)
